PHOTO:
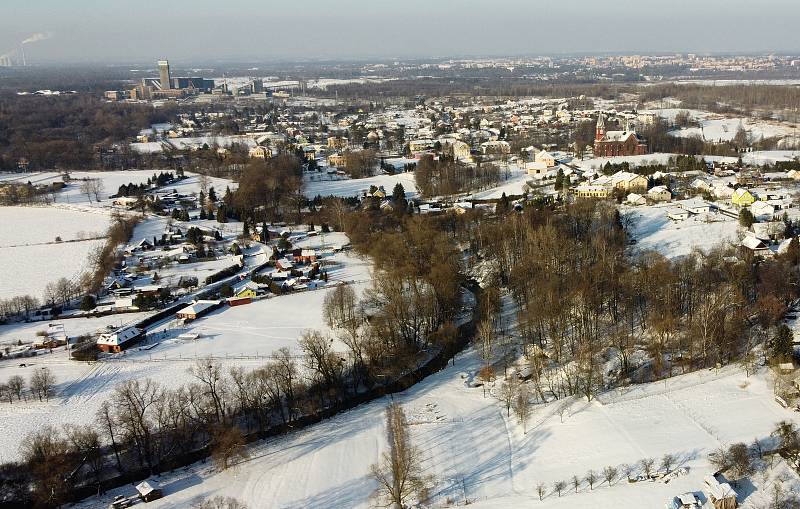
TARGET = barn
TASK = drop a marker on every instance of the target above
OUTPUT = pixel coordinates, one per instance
(197, 309)
(120, 339)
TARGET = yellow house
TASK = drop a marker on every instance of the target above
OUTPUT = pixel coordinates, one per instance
(246, 290)
(742, 197)
(628, 181)
(337, 142)
(259, 152)
(337, 160)
(587, 191)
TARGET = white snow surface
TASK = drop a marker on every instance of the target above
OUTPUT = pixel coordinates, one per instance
(29, 256)
(347, 187)
(653, 230)
(474, 452)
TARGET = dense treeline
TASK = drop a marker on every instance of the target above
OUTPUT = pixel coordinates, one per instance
(742, 98)
(446, 177)
(63, 131)
(270, 190)
(582, 299)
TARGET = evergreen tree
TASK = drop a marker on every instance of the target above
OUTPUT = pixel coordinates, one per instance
(264, 233)
(502, 205)
(746, 218)
(782, 343)
(559, 180)
(793, 251)
(222, 217)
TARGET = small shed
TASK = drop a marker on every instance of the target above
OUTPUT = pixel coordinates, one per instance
(197, 309)
(720, 494)
(149, 490)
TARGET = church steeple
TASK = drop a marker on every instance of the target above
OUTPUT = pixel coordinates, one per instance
(600, 130)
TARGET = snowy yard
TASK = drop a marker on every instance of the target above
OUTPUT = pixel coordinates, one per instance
(653, 230)
(346, 187)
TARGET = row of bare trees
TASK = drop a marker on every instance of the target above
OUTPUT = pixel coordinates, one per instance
(40, 385)
(609, 475)
(447, 177)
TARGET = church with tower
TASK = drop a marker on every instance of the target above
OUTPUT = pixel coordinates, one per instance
(617, 143)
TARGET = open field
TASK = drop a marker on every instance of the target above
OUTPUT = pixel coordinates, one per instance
(474, 452)
(346, 187)
(653, 230)
(29, 256)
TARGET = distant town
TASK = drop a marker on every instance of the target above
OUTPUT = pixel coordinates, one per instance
(563, 281)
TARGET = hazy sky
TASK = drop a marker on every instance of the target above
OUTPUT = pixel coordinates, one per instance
(245, 30)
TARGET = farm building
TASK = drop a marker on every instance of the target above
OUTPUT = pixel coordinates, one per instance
(684, 501)
(197, 309)
(720, 494)
(120, 339)
(149, 491)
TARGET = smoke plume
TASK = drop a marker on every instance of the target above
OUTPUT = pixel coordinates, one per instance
(39, 36)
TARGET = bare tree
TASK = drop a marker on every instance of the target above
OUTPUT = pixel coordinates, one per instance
(220, 502)
(6, 393)
(227, 445)
(85, 443)
(212, 379)
(741, 462)
(508, 391)
(559, 486)
(17, 384)
(576, 482)
(485, 341)
(42, 382)
(627, 470)
(522, 405)
(591, 478)
(105, 420)
(92, 187)
(647, 465)
(667, 462)
(609, 474)
(399, 472)
(720, 458)
(541, 490)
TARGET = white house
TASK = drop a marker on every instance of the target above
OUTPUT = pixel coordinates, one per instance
(636, 199)
(677, 214)
(546, 158)
(763, 211)
(659, 193)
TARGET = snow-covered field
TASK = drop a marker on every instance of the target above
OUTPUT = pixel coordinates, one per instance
(111, 180)
(724, 129)
(29, 256)
(346, 187)
(653, 230)
(642, 160)
(511, 187)
(152, 147)
(243, 336)
(474, 452)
